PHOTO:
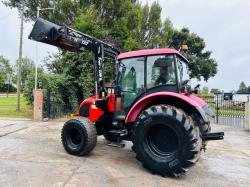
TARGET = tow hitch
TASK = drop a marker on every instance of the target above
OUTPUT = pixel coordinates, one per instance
(213, 136)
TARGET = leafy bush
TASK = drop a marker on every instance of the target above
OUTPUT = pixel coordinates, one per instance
(4, 88)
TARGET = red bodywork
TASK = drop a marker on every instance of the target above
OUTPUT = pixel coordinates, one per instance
(94, 112)
(140, 104)
(147, 52)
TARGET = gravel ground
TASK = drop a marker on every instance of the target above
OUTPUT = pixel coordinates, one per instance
(31, 154)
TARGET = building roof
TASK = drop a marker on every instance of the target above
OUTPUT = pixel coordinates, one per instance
(146, 52)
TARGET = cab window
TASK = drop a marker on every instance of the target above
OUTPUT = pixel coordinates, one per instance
(132, 74)
(160, 70)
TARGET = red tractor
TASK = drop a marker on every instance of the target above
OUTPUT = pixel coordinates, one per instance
(149, 103)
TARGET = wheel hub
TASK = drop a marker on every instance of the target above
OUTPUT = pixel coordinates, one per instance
(162, 140)
(75, 136)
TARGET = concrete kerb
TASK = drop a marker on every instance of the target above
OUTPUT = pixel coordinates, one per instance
(15, 119)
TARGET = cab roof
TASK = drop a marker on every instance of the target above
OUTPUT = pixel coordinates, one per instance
(147, 52)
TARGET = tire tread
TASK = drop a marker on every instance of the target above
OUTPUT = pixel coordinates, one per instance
(191, 134)
(89, 131)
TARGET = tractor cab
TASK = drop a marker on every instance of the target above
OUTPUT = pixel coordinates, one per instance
(144, 72)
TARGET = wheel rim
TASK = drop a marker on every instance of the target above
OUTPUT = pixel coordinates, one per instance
(74, 136)
(162, 140)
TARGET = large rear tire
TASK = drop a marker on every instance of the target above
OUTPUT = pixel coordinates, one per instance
(79, 136)
(166, 140)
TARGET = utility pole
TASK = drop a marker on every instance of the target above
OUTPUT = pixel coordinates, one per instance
(38, 9)
(20, 62)
(37, 16)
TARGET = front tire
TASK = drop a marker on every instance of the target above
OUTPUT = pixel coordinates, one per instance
(166, 140)
(79, 136)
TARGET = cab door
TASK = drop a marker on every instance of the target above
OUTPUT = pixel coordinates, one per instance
(130, 82)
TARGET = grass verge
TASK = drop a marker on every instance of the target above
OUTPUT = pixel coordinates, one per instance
(8, 108)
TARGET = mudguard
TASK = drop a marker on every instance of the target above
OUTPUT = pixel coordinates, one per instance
(88, 108)
(195, 102)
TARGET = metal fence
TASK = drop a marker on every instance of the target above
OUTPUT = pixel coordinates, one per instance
(227, 110)
(55, 109)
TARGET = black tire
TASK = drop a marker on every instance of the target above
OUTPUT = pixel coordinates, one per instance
(133, 148)
(110, 137)
(79, 136)
(166, 140)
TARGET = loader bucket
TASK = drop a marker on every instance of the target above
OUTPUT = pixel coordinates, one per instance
(44, 30)
(50, 33)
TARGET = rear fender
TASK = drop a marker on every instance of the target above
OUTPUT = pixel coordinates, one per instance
(144, 102)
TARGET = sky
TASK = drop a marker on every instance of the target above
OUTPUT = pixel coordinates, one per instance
(225, 27)
(10, 36)
(223, 24)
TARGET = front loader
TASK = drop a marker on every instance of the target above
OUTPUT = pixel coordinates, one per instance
(149, 103)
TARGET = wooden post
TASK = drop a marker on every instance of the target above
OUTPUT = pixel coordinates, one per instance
(247, 117)
(38, 105)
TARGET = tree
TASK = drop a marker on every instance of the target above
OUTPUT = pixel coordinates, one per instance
(215, 91)
(2, 75)
(127, 25)
(29, 83)
(151, 25)
(166, 33)
(6, 73)
(78, 75)
(202, 65)
(77, 69)
(27, 68)
(242, 87)
(6, 70)
(65, 11)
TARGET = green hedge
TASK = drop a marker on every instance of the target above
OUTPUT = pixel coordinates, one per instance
(4, 88)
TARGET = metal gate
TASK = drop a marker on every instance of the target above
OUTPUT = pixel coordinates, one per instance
(228, 111)
(54, 108)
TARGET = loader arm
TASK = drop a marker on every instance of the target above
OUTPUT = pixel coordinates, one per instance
(69, 39)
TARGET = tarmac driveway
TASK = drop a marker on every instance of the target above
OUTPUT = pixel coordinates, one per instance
(31, 154)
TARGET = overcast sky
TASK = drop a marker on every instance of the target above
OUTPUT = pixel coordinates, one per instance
(223, 24)
(10, 34)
